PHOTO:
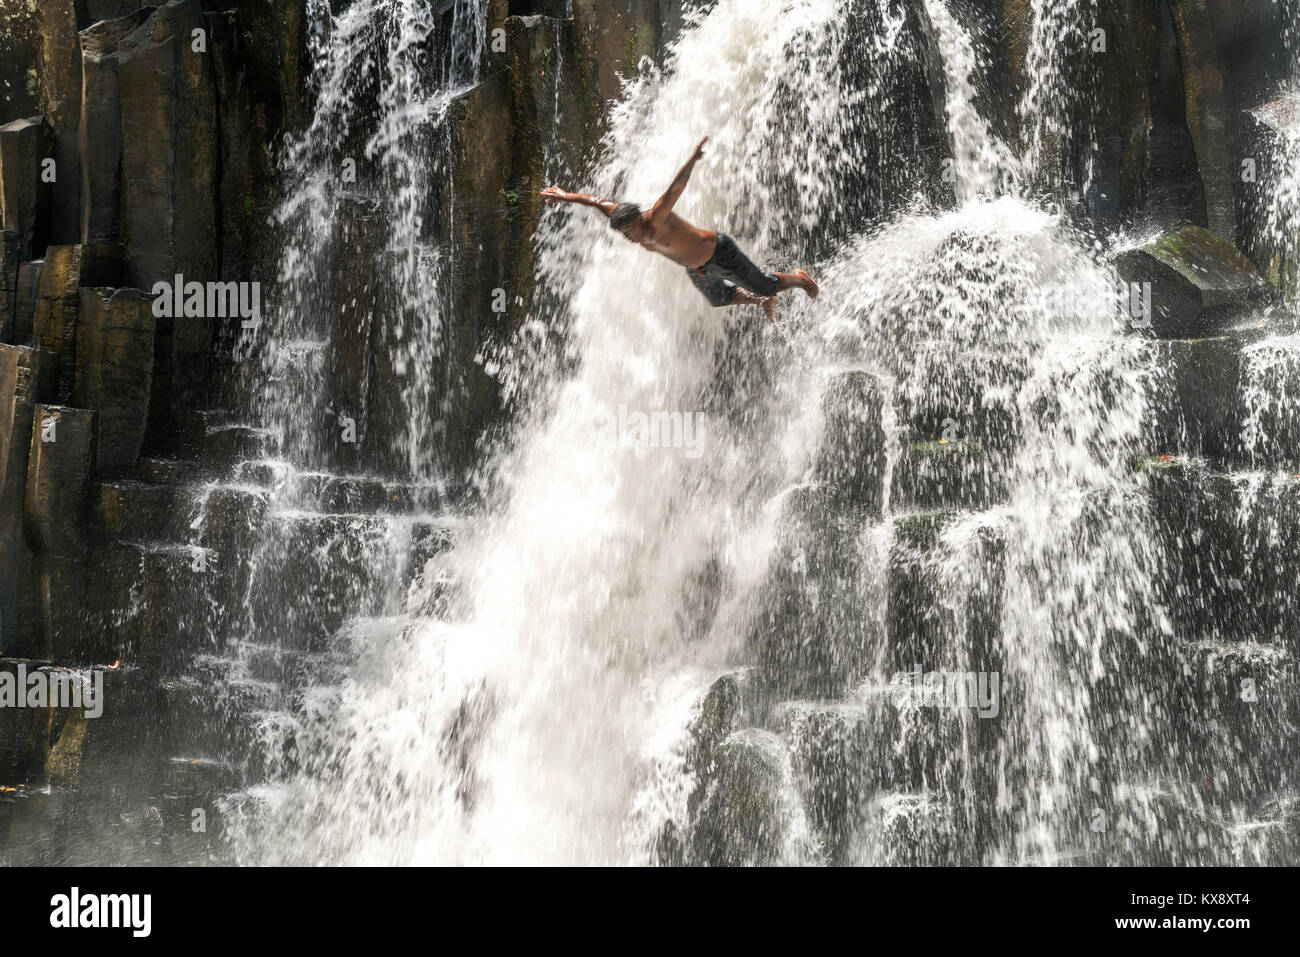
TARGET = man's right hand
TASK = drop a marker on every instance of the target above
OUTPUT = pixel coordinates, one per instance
(553, 194)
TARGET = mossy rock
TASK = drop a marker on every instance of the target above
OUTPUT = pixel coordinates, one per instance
(744, 817)
(939, 474)
(1200, 283)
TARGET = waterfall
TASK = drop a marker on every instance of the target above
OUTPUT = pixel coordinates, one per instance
(606, 664)
(352, 155)
(1059, 33)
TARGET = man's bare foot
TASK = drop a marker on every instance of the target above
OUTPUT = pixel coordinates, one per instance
(807, 284)
(769, 307)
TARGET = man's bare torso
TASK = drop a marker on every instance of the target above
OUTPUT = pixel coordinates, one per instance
(681, 242)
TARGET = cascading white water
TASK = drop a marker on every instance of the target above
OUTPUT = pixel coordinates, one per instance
(392, 158)
(326, 573)
(982, 164)
(1059, 33)
(574, 591)
(537, 700)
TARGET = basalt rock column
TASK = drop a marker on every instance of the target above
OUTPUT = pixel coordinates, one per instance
(58, 299)
(25, 379)
(8, 282)
(114, 370)
(169, 146)
(56, 517)
(60, 93)
(101, 127)
(24, 197)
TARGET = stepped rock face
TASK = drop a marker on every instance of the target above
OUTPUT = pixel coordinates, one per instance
(136, 519)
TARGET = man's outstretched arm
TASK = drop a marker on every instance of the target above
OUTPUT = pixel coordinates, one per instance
(553, 194)
(665, 203)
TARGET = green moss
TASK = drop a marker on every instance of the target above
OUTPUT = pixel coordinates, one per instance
(944, 447)
(1160, 463)
(1179, 250)
(630, 54)
(921, 530)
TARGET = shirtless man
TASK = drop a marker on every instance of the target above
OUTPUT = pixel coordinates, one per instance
(716, 266)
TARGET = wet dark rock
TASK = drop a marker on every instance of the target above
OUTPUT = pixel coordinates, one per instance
(97, 10)
(1195, 400)
(1273, 838)
(909, 830)
(56, 520)
(1272, 126)
(8, 282)
(226, 444)
(258, 53)
(1200, 283)
(1152, 826)
(944, 474)
(19, 48)
(1206, 110)
(58, 479)
(477, 205)
(232, 525)
(26, 286)
(170, 148)
(24, 197)
(355, 302)
(114, 368)
(744, 816)
(315, 570)
(811, 631)
(165, 471)
(852, 455)
(944, 590)
(831, 756)
(554, 123)
(1248, 699)
(101, 123)
(60, 97)
(182, 372)
(128, 510)
(614, 36)
(26, 378)
(720, 713)
(58, 302)
(1226, 539)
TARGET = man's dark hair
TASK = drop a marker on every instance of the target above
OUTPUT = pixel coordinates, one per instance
(624, 215)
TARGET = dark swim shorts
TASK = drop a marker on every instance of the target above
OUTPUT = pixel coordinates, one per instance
(728, 268)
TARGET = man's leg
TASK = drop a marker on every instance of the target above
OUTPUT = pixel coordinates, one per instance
(729, 261)
(719, 292)
(744, 297)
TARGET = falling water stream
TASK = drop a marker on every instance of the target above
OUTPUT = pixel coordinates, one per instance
(537, 693)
